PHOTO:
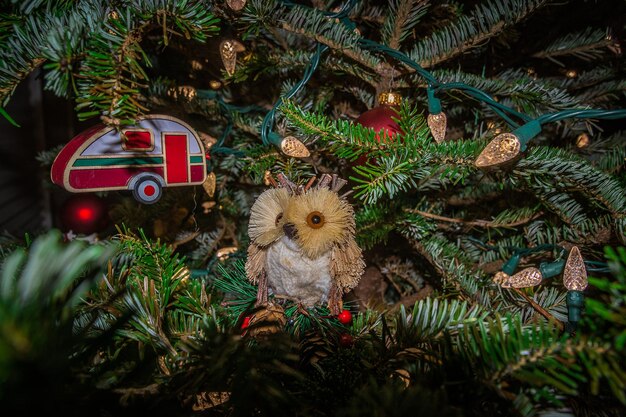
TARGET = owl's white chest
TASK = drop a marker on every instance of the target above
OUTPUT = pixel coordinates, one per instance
(289, 272)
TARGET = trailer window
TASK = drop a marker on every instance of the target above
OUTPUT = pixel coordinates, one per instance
(137, 140)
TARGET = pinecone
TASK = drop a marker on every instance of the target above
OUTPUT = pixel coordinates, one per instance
(314, 347)
(268, 319)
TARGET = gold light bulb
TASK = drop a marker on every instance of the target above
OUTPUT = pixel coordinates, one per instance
(209, 184)
(228, 51)
(528, 277)
(575, 274)
(389, 98)
(582, 141)
(503, 149)
(437, 124)
(294, 148)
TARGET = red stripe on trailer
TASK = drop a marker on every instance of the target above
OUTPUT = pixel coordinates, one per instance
(60, 162)
(101, 178)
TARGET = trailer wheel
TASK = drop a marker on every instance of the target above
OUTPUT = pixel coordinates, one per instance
(147, 190)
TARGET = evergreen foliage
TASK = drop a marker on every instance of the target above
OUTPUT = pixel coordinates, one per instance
(161, 342)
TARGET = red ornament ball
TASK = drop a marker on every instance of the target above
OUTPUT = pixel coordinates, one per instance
(381, 120)
(345, 317)
(346, 340)
(84, 214)
(246, 323)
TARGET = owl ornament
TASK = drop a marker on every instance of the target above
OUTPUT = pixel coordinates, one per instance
(302, 243)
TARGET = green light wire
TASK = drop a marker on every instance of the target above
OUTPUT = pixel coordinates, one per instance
(266, 127)
(267, 136)
(375, 46)
(227, 110)
(488, 100)
(582, 114)
(433, 83)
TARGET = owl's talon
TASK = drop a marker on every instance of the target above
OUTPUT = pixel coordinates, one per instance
(261, 295)
(335, 304)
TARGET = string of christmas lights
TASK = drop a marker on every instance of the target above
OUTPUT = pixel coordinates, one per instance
(574, 271)
(504, 148)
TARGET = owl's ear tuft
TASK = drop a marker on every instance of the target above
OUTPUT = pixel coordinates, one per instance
(270, 179)
(337, 183)
(332, 182)
(287, 184)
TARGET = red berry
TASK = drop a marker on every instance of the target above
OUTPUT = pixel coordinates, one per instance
(246, 323)
(345, 317)
(346, 340)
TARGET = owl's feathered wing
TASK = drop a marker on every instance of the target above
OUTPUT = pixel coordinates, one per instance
(255, 264)
(347, 264)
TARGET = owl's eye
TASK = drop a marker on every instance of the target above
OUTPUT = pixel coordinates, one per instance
(315, 219)
(278, 219)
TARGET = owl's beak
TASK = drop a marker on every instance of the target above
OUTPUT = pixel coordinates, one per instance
(290, 230)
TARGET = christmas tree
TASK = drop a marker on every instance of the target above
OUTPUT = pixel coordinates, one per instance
(481, 146)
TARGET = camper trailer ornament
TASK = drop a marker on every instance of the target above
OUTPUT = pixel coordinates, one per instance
(158, 151)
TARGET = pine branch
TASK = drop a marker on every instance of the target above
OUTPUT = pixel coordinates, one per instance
(502, 347)
(151, 281)
(402, 164)
(613, 160)
(505, 219)
(431, 318)
(550, 299)
(48, 272)
(593, 231)
(112, 75)
(402, 16)
(346, 139)
(20, 55)
(589, 78)
(562, 203)
(84, 36)
(587, 45)
(430, 167)
(312, 24)
(602, 93)
(110, 82)
(42, 285)
(316, 26)
(374, 223)
(532, 96)
(340, 65)
(451, 262)
(30, 6)
(469, 31)
(571, 171)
